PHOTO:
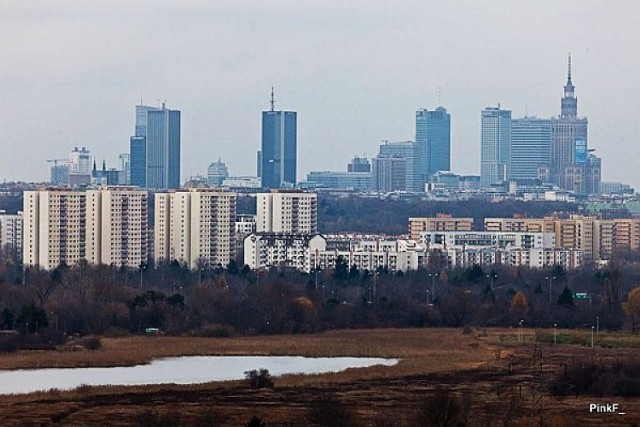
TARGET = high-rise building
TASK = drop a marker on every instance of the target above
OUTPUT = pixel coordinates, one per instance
(155, 148)
(105, 226)
(406, 156)
(117, 226)
(495, 146)
(279, 148)
(571, 166)
(195, 227)
(163, 148)
(433, 137)
(138, 161)
(289, 212)
(389, 174)
(530, 146)
(11, 234)
(216, 173)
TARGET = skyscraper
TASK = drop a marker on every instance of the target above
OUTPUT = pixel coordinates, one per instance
(155, 148)
(397, 158)
(572, 167)
(279, 147)
(530, 146)
(433, 137)
(163, 148)
(138, 161)
(495, 146)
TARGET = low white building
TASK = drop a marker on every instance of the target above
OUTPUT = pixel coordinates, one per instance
(499, 239)
(266, 250)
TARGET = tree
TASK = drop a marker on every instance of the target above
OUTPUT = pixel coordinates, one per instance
(519, 306)
(631, 308)
(566, 298)
(341, 273)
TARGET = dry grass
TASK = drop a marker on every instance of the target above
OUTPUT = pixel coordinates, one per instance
(429, 358)
(445, 348)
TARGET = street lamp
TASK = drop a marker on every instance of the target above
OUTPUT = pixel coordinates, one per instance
(520, 336)
(592, 329)
(550, 279)
(555, 333)
(492, 277)
(597, 325)
(433, 281)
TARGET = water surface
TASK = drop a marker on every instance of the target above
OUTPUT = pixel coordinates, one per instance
(177, 370)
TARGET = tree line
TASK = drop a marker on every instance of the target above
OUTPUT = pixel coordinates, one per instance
(229, 301)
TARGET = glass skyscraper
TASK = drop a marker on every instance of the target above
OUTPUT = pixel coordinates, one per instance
(155, 148)
(279, 148)
(433, 145)
(495, 146)
(530, 146)
(138, 161)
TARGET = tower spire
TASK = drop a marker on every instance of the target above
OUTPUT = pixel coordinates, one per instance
(273, 100)
(569, 69)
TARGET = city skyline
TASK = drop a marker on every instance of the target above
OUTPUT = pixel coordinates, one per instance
(348, 101)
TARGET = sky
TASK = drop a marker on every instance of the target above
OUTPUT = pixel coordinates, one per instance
(71, 73)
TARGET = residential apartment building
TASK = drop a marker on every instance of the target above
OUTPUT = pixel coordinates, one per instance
(195, 227)
(11, 235)
(287, 212)
(117, 226)
(103, 226)
(439, 223)
(291, 250)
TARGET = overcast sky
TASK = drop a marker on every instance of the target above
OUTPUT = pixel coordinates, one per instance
(71, 73)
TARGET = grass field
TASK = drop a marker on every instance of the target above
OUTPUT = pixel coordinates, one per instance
(491, 373)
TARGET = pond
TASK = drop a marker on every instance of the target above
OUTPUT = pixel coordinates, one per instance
(177, 370)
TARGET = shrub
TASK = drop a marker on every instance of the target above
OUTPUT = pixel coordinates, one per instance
(259, 378)
(90, 342)
(8, 343)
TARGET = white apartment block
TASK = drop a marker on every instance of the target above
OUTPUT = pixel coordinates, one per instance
(195, 227)
(117, 226)
(103, 226)
(465, 257)
(11, 234)
(287, 211)
(501, 240)
(266, 250)
(394, 255)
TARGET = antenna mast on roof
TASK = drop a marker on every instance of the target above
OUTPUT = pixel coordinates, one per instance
(273, 100)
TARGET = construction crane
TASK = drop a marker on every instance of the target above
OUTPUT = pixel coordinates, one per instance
(55, 161)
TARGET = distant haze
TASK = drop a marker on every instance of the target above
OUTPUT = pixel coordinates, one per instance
(71, 73)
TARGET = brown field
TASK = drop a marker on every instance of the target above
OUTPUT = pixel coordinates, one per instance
(490, 373)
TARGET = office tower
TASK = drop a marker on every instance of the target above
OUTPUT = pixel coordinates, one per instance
(279, 148)
(105, 226)
(530, 146)
(216, 173)
(410, 155)
(11, 235)
(433, 135)
(495, 146)
(389, 174)
(359, 164)
(80, 161)
(195, 227)
(569, 150)
(288, 212)
(138, 161)
(59, 173)
(163, 148)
